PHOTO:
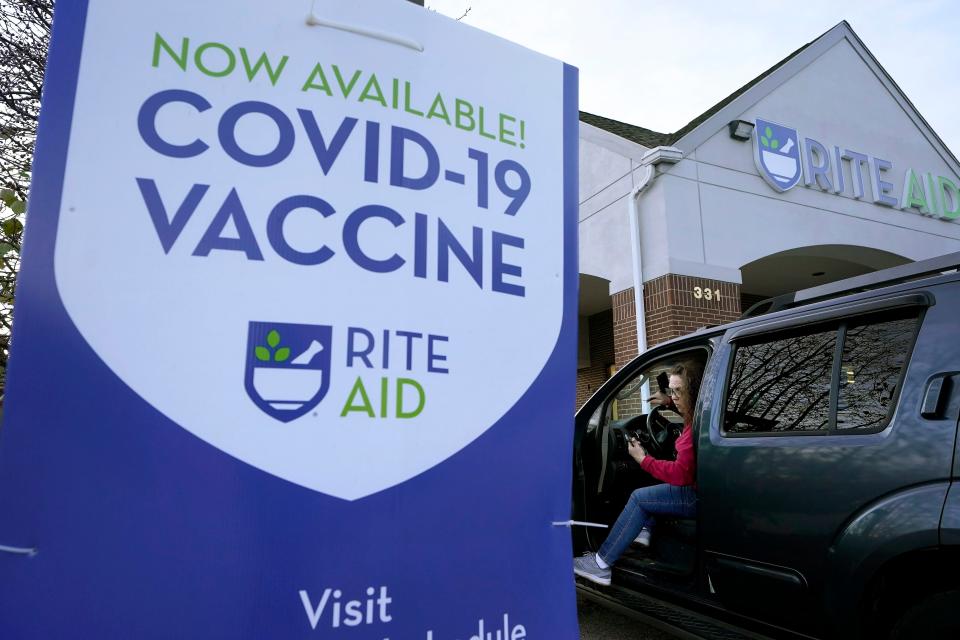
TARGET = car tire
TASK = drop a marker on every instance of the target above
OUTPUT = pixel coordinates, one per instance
(934, 618)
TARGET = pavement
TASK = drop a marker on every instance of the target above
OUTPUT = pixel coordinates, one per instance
(599, 623)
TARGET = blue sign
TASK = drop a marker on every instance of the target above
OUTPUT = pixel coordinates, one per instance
(319, 282)
(777, 154)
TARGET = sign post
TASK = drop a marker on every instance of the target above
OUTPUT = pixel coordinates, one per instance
(295, 336)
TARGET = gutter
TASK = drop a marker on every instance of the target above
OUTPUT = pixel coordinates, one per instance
(649, 162)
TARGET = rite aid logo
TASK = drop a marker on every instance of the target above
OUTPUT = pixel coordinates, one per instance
(783, 159)
(777, 154)
(288, 367)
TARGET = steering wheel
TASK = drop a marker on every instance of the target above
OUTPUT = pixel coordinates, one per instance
(655, 434)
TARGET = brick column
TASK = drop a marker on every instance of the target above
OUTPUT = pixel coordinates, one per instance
(624, 327)
(676, 305)
(672, 309)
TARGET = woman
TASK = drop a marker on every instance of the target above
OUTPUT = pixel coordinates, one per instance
(676, 497)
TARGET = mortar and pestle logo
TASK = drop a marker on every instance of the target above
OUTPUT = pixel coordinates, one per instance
(779, 164)
(284, 385)
(777, 154)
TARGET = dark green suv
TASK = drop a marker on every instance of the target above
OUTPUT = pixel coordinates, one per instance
(826, 447)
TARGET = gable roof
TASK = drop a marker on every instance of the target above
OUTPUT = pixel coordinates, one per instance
(842, 30)
(640, 135)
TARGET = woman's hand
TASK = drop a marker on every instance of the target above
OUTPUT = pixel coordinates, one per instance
(659, 399)
(636, 451)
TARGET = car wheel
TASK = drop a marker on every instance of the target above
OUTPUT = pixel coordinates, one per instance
(934, 618)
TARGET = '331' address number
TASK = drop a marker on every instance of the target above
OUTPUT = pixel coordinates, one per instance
(706, 293)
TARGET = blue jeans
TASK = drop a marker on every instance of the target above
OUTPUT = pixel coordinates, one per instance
(662, 499)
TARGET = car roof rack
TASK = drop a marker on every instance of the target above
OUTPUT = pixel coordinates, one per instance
(873, 280)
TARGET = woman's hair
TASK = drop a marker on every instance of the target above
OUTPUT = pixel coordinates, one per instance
(691, 373)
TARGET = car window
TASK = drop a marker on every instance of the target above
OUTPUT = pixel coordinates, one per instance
(628, 402)
(793, 384)
(782, 385)
(633, 399)
(874, 355)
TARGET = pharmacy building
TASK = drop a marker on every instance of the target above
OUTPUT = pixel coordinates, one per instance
(817, 170)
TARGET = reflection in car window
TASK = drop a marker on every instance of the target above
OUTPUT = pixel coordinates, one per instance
(628, 402)
(594, 421)
(874, 356)
(633, 399)
(782, 385)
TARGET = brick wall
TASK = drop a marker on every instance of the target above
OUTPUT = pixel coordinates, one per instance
(673, 308)
(590, 378)
(624, 327)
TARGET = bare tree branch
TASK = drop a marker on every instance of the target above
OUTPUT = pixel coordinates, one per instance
(25, 27)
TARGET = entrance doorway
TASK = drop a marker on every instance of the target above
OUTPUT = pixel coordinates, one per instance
(595, 352)
(797, 269)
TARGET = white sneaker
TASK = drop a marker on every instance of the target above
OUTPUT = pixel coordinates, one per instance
(644, 538)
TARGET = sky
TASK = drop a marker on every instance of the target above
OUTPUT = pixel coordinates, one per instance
(661, 64)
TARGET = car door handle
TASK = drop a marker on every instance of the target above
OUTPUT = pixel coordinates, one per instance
(938, 388)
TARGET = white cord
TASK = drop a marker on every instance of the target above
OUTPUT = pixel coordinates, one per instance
(314, 21)
(18, 550)
(570, 523)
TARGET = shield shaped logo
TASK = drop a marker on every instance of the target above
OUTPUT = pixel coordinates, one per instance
(777, 154)
(288, 367)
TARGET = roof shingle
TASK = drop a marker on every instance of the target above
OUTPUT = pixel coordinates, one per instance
(640, 135)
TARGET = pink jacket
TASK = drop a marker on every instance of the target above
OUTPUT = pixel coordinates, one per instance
(681, 472)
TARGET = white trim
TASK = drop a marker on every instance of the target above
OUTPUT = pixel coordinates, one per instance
(702, 270)
(672, 266)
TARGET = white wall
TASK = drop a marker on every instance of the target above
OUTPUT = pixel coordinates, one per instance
(836, 100)
(606, 163)
(712, 213)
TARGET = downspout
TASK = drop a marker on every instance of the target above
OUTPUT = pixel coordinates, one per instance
(649, 162)
(646, 179)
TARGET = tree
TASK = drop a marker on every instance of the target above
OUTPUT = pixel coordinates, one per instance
(24, 37)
